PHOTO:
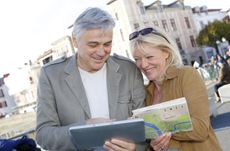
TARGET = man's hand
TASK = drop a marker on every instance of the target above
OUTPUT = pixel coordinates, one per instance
(161, 143)
(119, 145)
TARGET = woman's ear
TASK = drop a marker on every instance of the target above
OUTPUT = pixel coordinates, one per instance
(166, 55)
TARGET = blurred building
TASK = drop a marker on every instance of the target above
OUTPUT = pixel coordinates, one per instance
(18, 91)
(7, 101)
(59, 48)
(175, 18)
(204, 16)
(227, 18)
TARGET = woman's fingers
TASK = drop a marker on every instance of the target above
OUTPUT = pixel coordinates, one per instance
(162, 142)
(165, 142)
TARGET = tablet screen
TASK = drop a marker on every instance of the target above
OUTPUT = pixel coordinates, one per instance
(94, 135)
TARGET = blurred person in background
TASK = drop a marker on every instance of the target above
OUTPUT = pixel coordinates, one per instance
(214, 69)
(228, 53)
(224, 78)
(220, 60)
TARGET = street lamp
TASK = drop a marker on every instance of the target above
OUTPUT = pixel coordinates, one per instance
(223, 39)
(217, 47)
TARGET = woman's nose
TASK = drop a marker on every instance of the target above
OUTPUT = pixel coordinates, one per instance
(144, 63)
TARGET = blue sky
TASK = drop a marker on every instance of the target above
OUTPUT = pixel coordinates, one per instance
(28, 27)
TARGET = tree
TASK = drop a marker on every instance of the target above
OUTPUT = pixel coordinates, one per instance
(213, 32)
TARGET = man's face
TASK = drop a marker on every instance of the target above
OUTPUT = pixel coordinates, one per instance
(94, 47)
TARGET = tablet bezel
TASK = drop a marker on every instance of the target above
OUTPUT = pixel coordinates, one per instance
(94, 135)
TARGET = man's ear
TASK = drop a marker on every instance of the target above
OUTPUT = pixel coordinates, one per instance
(74, 40)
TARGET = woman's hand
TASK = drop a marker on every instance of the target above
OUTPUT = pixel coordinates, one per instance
(119, 145)
(161, 143)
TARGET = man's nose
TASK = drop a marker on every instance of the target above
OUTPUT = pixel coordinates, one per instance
(101, 51)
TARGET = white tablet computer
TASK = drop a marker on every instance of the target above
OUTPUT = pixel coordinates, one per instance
(94, 135)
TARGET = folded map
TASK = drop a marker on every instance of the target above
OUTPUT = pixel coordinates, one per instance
(171, 116)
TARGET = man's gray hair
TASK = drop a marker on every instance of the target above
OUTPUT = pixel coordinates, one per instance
(92, 18)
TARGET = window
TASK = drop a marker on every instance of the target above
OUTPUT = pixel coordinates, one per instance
(202, 25)
(122, 36)
(187, 22)
(141, 7)
(1, 93)
(67, 48)
(178, 42)
(193, 42)
(3, 104)
(146, 22)
(165, 26)
(31, 80)
(136, 25)
(116, 15)
(47, 60)
(155, 23)
(185, 61)
(173, 23)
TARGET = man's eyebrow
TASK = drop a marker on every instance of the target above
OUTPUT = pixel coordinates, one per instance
(93, 42)
(108, 42)
(96, 42)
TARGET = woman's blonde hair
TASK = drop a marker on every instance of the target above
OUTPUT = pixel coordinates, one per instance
(161, 41)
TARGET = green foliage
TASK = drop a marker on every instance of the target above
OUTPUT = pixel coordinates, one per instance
(212, 32)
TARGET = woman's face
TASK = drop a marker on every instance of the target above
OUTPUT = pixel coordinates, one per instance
(151, 61)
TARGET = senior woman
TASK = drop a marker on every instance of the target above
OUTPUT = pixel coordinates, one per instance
(158, 58)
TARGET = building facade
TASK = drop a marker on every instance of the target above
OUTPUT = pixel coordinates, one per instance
(61, 47)
(7, 102)
(204, 16)
(175, 18)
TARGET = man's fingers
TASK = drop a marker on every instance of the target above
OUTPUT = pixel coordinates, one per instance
(124, 144)
(112, 147)
(119, 145)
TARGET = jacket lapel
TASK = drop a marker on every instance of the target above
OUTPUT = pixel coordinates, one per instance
(73, 79)
(113, 80)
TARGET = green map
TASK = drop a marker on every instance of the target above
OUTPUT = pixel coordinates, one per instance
(167, 117)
